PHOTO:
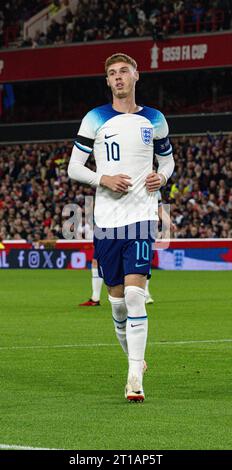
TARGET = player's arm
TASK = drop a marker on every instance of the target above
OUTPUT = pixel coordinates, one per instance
(164, 156)
(77, 170)
(82, 148)
(166, 219)
(164, 215)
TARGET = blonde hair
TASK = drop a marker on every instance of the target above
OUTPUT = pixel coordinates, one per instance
(120, 57)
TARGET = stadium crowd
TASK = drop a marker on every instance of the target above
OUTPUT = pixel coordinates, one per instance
(111, 19)
(13, 13)
(34, 187)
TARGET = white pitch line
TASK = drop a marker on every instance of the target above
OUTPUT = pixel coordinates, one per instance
(9, 447)
(60, 346)
(229, 340)
(97, 345)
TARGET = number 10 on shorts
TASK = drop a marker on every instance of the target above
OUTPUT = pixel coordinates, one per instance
(142, 250)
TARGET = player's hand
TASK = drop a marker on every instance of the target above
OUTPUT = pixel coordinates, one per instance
(173, 227)
(154, 181)
(117, 183)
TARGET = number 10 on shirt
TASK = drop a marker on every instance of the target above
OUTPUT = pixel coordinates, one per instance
(112, 151)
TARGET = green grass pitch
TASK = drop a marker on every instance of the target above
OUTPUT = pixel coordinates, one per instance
(63, 373)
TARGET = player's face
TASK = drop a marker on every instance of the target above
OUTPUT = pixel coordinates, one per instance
(121, 78)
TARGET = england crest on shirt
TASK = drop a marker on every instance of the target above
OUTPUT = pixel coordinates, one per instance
(147, 135)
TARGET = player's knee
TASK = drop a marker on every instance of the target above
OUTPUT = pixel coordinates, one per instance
(94, 263)
(116, 291)
(135, 301)
(119, 310)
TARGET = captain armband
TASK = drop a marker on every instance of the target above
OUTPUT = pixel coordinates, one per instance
(84, 144)
(163, 147)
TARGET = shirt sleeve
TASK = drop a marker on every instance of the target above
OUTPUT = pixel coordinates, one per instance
(163, 147)
(82, 148)
(86, 134)
(162, 143)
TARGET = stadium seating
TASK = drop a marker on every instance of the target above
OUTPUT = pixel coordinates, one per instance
(96, 20)
(34, 187)
(13, 13)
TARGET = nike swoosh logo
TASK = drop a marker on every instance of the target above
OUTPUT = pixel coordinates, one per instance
(138, 324)
(108, 136)
(140, 265)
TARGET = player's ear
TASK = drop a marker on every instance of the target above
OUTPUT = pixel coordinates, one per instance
(136, 75)
(107, 81)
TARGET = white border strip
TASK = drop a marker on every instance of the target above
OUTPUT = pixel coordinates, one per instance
(16, 447)
(99, 345)
(175, 240)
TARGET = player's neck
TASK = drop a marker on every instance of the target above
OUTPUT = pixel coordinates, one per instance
(125, 105)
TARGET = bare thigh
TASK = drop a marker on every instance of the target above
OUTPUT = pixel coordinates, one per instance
(138, 280)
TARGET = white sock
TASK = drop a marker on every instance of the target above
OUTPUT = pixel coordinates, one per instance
(119, 313)
(136, 330)
(147, 293)
(96, 285)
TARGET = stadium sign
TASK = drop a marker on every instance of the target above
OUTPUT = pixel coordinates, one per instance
(42, 259)
(175, 53)
(182, 254)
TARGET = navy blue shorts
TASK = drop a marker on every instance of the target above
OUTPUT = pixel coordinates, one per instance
(124, 250)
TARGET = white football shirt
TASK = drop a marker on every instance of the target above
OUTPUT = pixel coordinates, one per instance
(124, 143)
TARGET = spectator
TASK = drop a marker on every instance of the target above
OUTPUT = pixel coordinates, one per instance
(54, 7)
(1, 28)
(34, 187)
(198, 12)
(94, 19)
